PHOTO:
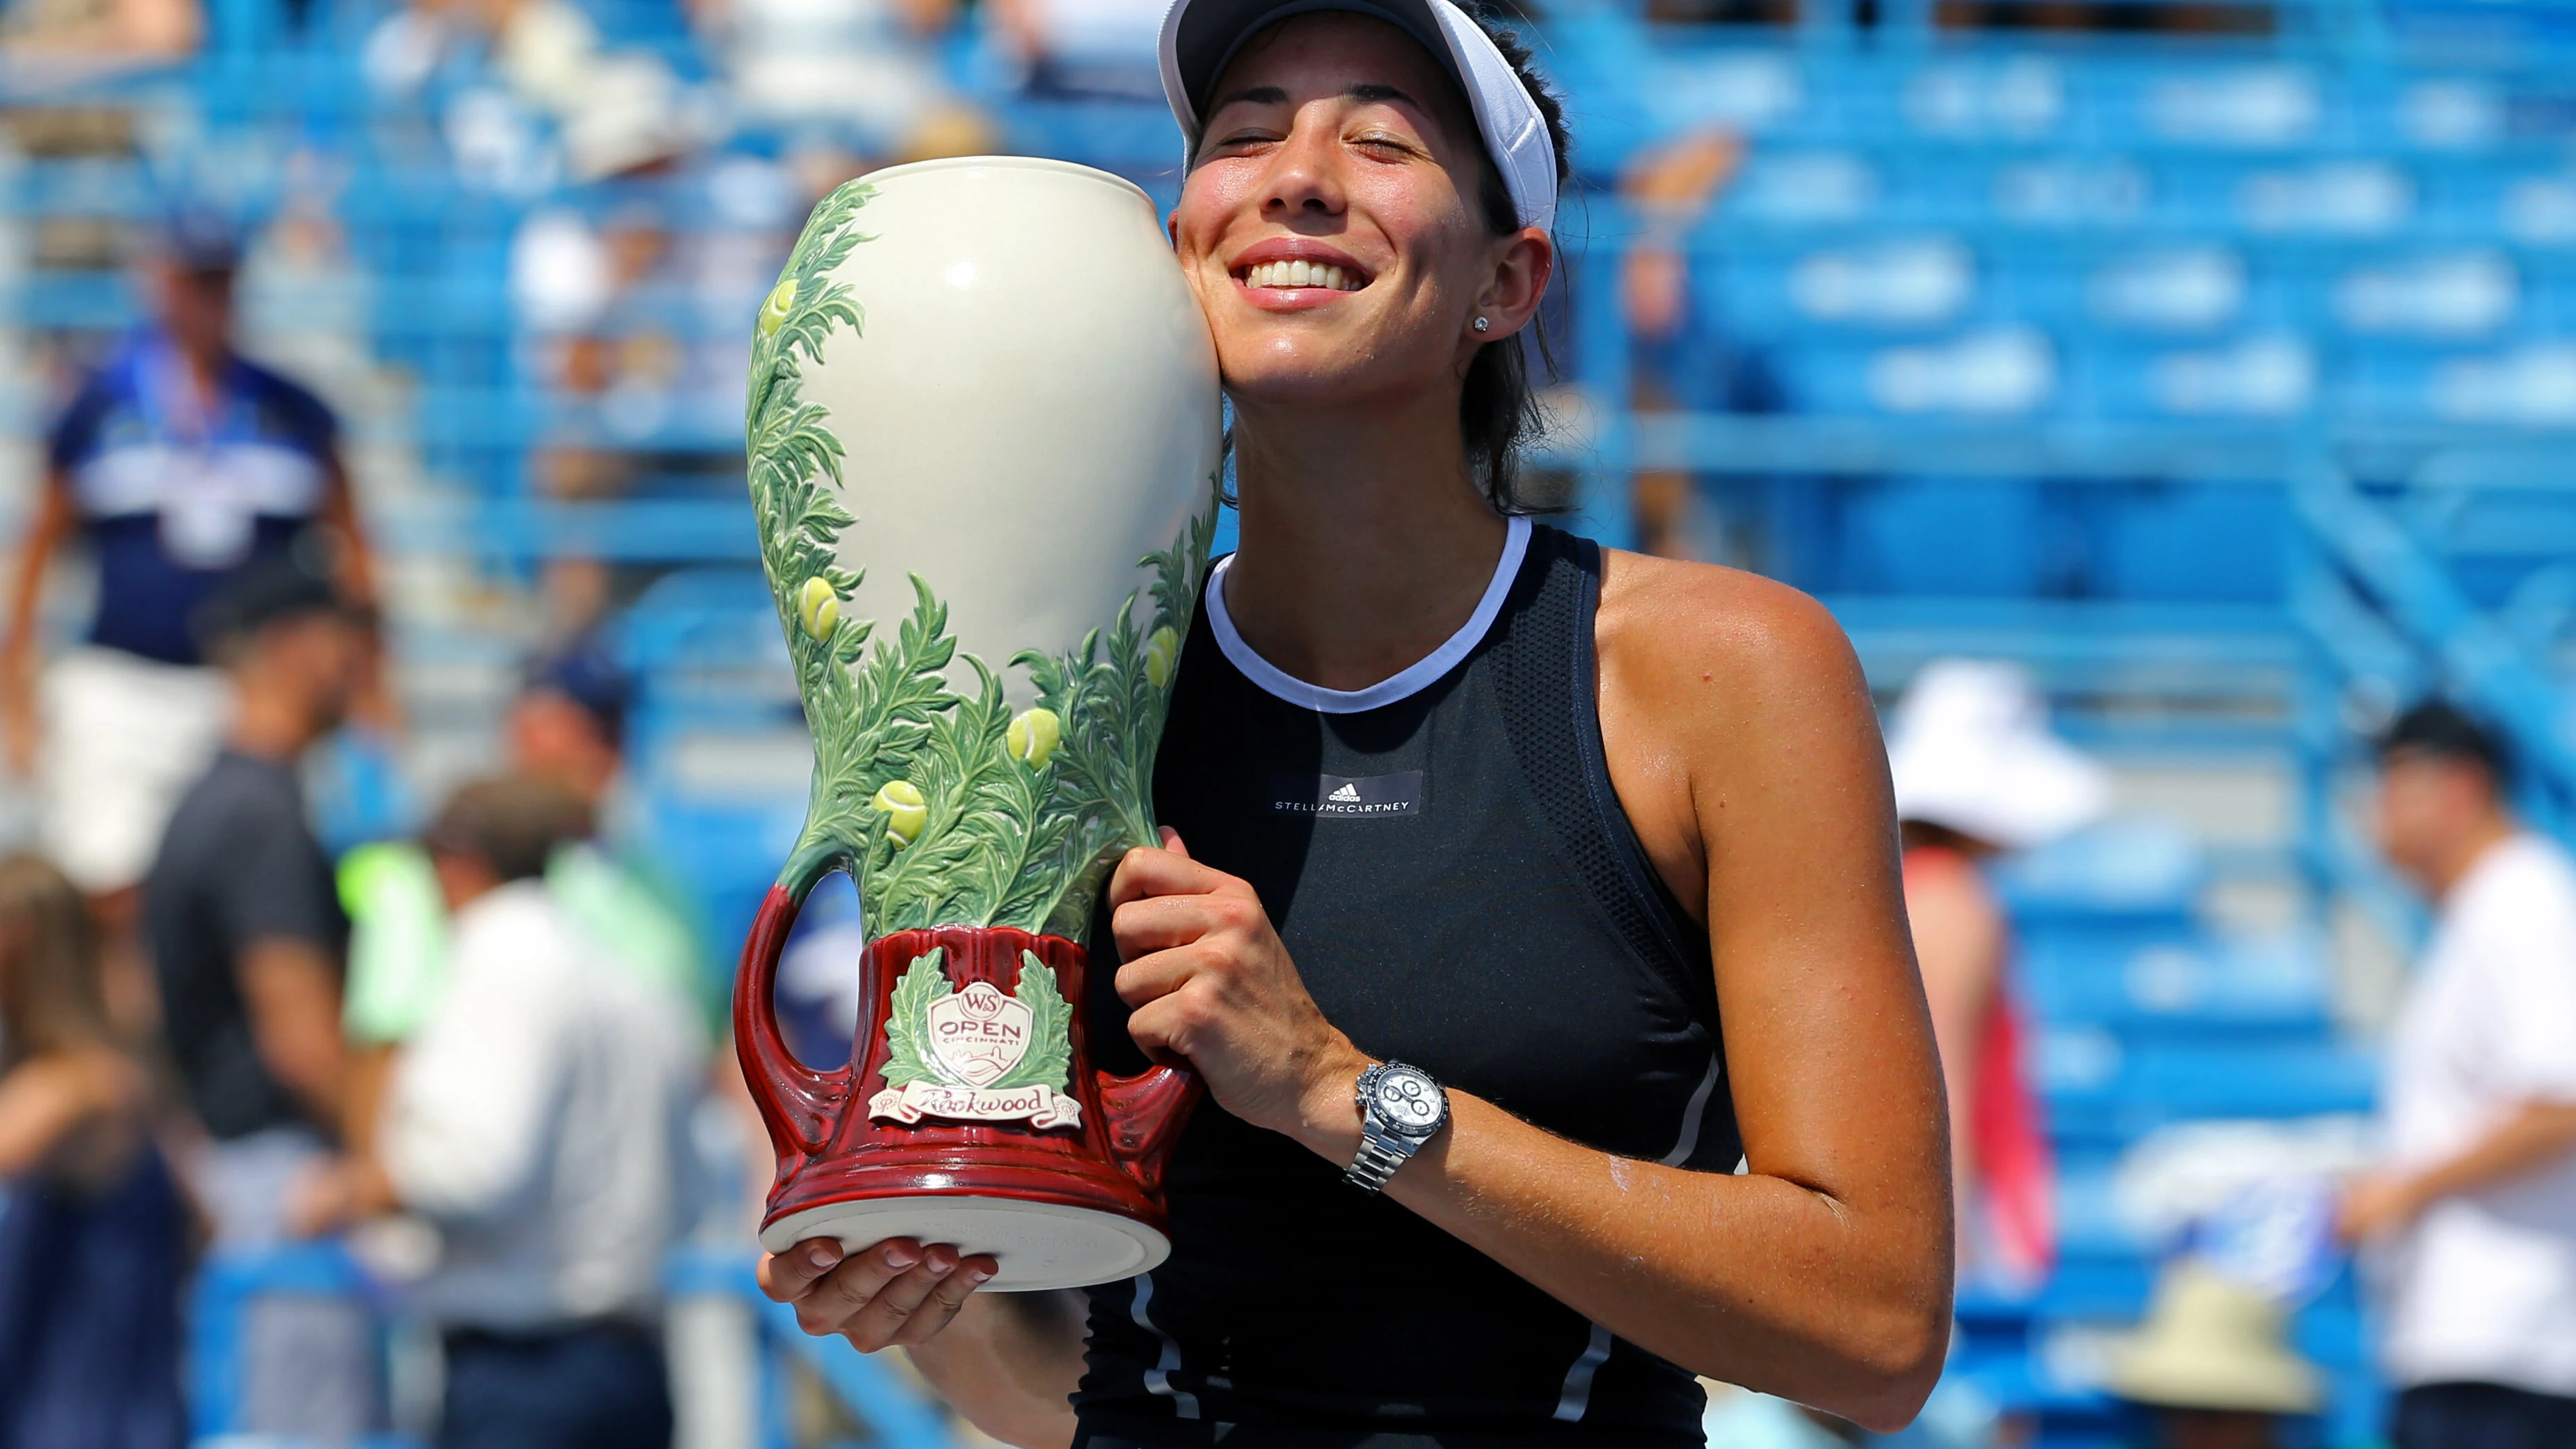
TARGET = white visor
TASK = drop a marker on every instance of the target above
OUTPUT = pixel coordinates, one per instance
(1200, 36)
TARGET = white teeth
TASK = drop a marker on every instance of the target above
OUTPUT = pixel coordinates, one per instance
(1301, 274)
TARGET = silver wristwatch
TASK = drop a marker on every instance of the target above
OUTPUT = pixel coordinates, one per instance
(1400, 1109)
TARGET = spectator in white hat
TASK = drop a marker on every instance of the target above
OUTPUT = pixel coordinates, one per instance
(1977, 773)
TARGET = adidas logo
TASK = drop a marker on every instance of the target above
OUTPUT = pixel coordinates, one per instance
(1349, 793)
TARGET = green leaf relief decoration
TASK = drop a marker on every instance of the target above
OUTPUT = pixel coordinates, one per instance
(908, 1056)
(946, 808)
(1049, 1063)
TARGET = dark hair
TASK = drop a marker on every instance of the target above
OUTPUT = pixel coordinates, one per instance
(269, 589)
(2443, 730)
(1499, 409)
(512, 823)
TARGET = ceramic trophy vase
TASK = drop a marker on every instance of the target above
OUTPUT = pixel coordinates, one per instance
(983, 452)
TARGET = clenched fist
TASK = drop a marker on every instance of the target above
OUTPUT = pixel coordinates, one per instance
(1211, 984)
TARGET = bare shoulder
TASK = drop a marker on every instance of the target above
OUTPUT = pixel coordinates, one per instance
(1669, 629)
(1732, 710)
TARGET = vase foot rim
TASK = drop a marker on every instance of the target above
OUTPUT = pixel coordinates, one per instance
(1039, 1245)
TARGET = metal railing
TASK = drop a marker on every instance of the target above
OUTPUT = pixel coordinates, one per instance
(893, 1411)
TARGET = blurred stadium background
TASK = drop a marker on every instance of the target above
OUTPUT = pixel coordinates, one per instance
(2216, 360)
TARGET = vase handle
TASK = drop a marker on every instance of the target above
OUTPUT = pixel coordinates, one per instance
(1145, 1114)
(796, 1102)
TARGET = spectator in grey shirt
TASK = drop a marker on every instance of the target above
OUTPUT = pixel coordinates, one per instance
(247, 937)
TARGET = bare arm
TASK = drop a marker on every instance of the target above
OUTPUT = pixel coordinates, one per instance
(1822, 1274)
(366, 1076)
(356, 561)
(1959, 941)
(2536, 1135)
(376, 705)
(1010, 1364)
(294, 999)
(1670, 188)
(45, 1101)
(45, 534)
(2533, 1136)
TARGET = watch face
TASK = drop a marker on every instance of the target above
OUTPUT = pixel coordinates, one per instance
(1409, 1101)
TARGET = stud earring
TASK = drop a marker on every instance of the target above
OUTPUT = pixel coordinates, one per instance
(1483, 326)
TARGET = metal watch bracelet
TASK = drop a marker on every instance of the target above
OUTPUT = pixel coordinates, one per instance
(1380, 1155)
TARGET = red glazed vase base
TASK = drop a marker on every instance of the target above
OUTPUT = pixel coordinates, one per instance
(1072, 1202)
(1038, 1244)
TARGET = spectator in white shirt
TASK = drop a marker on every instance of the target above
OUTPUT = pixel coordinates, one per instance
(540, 1119)
(2472, 1219)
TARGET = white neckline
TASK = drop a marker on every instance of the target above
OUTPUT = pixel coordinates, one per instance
(1405, 682)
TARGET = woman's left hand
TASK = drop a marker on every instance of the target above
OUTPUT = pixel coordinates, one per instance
(1210, 982)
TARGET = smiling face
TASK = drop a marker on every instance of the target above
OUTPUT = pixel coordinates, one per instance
(1334, 226)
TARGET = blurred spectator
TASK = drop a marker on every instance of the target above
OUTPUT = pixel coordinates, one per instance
(605, 349)
(2212, 1364)
(98, 34)
(616, 112)
(1084, 48)
(2473, 1217)
(565, 728)
(540, 1118)
(1679, 361)
(632, 324)
(872, 66)
(1977, 773)
(93, 1239)
(179, 462)
(303, 291)
(247, 939)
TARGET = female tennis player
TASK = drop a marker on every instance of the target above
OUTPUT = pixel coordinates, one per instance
(1531, 911)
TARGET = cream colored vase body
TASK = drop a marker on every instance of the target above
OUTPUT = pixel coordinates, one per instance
(1030, 405)
(983, 452)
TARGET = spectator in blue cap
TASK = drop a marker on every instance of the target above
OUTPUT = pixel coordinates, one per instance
(179, 462)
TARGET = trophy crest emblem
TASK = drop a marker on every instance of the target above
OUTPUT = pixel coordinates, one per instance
(978, 1033)
(977, 1055)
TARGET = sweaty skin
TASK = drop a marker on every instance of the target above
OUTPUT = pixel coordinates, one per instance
(1741, 741)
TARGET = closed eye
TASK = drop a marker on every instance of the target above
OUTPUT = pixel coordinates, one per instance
(1396, 145)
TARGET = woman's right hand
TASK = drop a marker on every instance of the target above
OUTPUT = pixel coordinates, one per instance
(894, 1292)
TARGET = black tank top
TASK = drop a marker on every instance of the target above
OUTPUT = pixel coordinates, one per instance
(1461, 890)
